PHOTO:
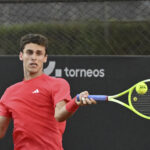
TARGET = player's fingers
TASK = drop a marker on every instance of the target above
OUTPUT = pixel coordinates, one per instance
(90, 101)
(86, 93)
(87, 101)
(83, 95)
(84, 100)
(93, 101)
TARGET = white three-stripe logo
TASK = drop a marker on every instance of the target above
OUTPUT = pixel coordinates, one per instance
(36, 91)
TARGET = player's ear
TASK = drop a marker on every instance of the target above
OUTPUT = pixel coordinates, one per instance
(21, 56)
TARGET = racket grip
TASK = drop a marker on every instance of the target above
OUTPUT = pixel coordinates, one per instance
(96, 97)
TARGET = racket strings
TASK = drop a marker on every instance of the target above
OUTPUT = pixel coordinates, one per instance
(141, 102)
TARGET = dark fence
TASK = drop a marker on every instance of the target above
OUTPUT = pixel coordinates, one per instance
(83, 27)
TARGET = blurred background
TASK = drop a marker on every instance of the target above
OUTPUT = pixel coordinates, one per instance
(78, 27)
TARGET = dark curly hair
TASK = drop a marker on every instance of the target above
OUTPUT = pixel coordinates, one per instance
(33, 38)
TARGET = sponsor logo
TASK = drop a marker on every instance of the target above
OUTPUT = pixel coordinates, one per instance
(51, 68)
(73, 72)
(35, 91)
(84, 72)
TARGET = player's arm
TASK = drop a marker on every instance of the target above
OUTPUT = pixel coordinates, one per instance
(61, 113)
(4, 122)
(64, 110)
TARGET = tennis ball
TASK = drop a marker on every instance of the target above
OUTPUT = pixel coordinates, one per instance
(141, 88)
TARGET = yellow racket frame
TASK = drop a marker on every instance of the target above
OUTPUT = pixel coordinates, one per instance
(130, 106)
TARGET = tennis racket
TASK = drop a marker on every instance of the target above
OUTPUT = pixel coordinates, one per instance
(138, 98)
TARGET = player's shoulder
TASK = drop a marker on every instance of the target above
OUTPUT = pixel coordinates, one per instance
(14, 86)
(54, 80)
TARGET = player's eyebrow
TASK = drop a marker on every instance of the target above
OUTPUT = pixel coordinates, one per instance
(32, 51)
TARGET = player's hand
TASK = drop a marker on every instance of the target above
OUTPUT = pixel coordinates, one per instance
(84, 100)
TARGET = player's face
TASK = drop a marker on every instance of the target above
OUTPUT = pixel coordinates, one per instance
(33, 57)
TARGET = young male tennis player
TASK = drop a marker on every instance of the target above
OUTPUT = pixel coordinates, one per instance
(40, 104)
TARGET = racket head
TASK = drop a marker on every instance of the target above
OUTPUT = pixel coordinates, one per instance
(140, 103)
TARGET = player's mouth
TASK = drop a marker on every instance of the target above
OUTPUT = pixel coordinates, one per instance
(33, 65)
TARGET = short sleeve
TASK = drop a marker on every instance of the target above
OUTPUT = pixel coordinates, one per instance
(4, 111)
(61, 91)
(3, 108)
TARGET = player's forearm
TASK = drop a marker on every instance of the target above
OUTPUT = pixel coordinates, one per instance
(4, 122)
(62, 113)
(64, 110)
(2, 133)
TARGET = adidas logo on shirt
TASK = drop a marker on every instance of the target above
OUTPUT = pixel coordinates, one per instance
(36, 91)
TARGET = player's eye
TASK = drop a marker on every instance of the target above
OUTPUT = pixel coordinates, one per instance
(29, 52)
(39, 53)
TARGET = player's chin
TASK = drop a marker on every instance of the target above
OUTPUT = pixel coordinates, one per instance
(33, 70)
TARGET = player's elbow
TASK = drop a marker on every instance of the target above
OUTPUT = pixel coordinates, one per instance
(4, 122)
(1, 134)
(59, 118)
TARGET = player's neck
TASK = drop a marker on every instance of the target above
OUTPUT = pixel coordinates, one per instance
(29, 76)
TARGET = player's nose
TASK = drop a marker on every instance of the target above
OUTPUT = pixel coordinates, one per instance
(34, 56)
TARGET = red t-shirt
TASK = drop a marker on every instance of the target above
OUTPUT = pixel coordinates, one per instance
(31, 104)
